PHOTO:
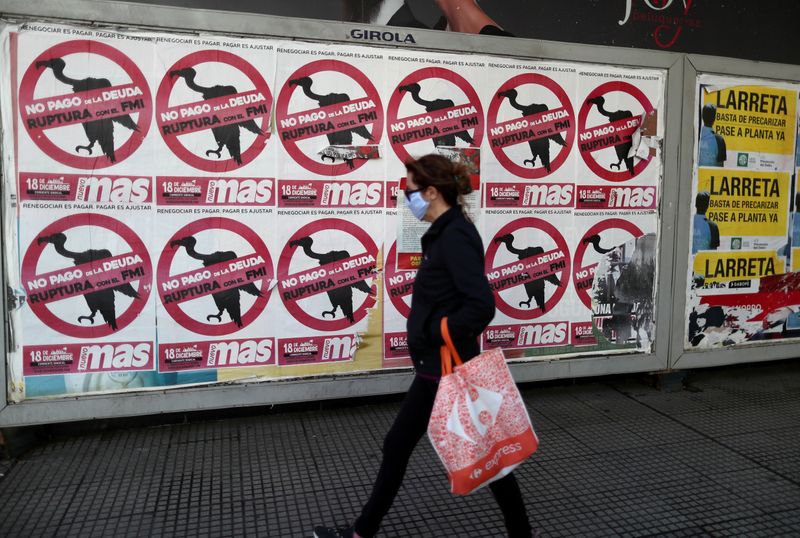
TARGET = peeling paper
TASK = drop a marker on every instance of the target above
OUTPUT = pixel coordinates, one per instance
(772, 310)
(349, 154)
(645, 141)
(15, 298)
(623, 290)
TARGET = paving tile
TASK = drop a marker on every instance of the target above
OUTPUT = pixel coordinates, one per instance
(687, 532)
(560, 444)
(617, 458)
(761, 488)
(31, 512)
(764, 446)
(428, 505)
(671, 403)
(610, 437)
(726, 422)
(537, 483)
(568, 518)
(635, 511)
(786, 467)
(790, 519)
(45, 470)
(705, 502)
(752, 527)
(661, 430)
(707, 457)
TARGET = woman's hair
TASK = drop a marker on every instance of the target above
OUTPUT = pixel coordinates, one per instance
(450, 178)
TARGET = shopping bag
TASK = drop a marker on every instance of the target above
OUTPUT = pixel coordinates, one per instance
(479, 426)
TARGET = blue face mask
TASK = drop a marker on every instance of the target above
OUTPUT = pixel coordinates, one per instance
(417, 204)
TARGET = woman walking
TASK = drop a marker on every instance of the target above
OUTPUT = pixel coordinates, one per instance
(451, 282)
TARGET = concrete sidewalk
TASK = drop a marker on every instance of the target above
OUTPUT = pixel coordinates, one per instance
(617, 458)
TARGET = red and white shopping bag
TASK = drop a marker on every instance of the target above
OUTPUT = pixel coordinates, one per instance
(479, 425)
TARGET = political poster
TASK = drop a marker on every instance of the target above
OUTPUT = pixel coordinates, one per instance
(215, 271)
(434, 105)
(88, 322)
(213, 104)
(747, 210)
(329, 111)
(743, 126)
(397, 287)
(83, 97)
(82, 184)
(620, 120)
(329, 250)
(742, 251)
(531, 123)
(528, 264)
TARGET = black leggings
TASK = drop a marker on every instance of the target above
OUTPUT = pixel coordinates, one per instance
(408, 428)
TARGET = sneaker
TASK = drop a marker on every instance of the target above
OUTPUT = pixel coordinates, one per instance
(333, 532)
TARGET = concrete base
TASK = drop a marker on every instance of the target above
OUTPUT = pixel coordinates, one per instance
(16, 441)
(674, 381)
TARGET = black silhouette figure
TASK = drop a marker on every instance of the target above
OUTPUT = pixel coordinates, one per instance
(98, 301)
(431, 106)
(540, 147)
(225, 135)
(97, 131)
(595, 242)
(343, 137)
(623, 148)
(534, 288)
(228, 299)
(339, 297)
(714, 318)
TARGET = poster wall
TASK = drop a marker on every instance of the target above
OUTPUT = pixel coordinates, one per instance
(743, 270)
(198, 209)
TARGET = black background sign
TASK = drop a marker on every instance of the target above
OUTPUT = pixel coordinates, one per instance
(744, 29)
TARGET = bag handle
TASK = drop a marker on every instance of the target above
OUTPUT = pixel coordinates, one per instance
(448, 351)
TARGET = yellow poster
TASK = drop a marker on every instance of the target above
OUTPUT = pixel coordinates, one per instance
(737, 265)
(745, 203)
(757, 119)
(795, 234)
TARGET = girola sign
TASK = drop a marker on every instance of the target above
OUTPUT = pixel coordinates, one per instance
(383, 36)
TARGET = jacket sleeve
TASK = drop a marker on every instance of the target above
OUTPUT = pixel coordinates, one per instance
(464, 259)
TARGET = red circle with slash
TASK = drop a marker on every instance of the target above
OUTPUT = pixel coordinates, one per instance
(608, 224)
(282, 113)
(427, 73)
(408, 278)
(561, 244)
(262, 111)
(34, 253)
(583, 114)
(554, 88)
(284, 264)
(27, 100)
(165, 266)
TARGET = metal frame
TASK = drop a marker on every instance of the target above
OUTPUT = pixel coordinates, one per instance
(679, 357)
(182, 399)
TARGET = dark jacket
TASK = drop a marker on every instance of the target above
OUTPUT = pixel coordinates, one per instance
(451, 281)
